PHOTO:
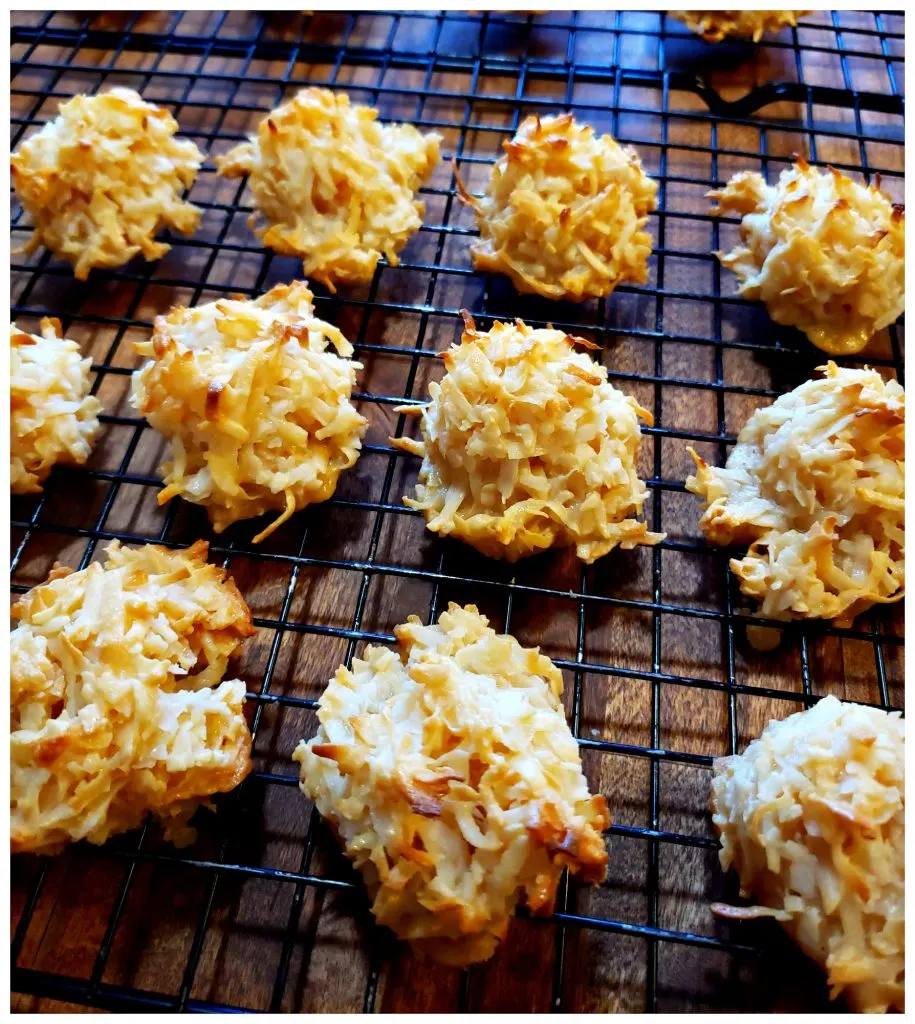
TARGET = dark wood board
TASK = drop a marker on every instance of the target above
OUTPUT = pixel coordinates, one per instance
(248, 923)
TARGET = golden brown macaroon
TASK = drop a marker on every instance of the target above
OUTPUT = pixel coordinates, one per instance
(333, 185)
(117, 701)
(564, 212)
(812, 817)
(816, 487)
(824, 253)
(714, 26)
(102, 178)
(256, 405)
(526, 445)
(452, 778)
(53, 418)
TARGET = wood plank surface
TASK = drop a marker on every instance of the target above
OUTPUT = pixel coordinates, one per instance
(240, 926)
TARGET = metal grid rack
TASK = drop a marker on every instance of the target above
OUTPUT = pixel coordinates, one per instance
(341, 575)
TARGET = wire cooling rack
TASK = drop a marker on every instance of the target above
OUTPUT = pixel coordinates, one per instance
(261, 912)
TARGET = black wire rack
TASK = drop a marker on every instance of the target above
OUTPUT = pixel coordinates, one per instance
(662, 629)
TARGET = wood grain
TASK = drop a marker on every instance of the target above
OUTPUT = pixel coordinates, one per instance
(250, 923)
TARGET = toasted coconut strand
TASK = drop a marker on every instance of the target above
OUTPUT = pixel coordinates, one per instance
(466, 196)
(714, 26)
(451, 777)
(815, 487)
(564, 212)
(589, 345)
(101, 179)
(730, 913)
(811, 816)
(255, 404)
(332, 185)
(117, 705)
(407, 444)
(824, 253)
(53, 418)
(526, 445)
(280, 519)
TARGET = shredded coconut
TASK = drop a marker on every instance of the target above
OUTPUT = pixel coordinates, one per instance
(452, 779)
(527, 445)
(53, 418)
(333, 185)
(102, 178)
(816, 487)
(116, 703)
(811, 816)
(714, 26)
(257, 409)
(564, 212)
(824, 253)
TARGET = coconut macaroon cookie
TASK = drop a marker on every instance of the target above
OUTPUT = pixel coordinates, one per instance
(526, 445)
(714, 26)
(102, 178)
(53, 418)
(116, 697)
(333, 185)
(255, 403)
(812, 817)
(824, 253)
(451, 777)
(564, 212)
(816, 487)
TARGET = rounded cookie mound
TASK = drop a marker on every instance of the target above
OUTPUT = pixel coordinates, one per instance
(257, 409)
(816, 487)
(812, 817)
(452, 779)
(53, 418)
(564, 212)
(824, 253)
(334, 186)
(526, 445)
(714, 26)
(116, 699)
(102, 178)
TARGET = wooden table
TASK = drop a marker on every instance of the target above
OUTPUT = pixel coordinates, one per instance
(663, 665)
